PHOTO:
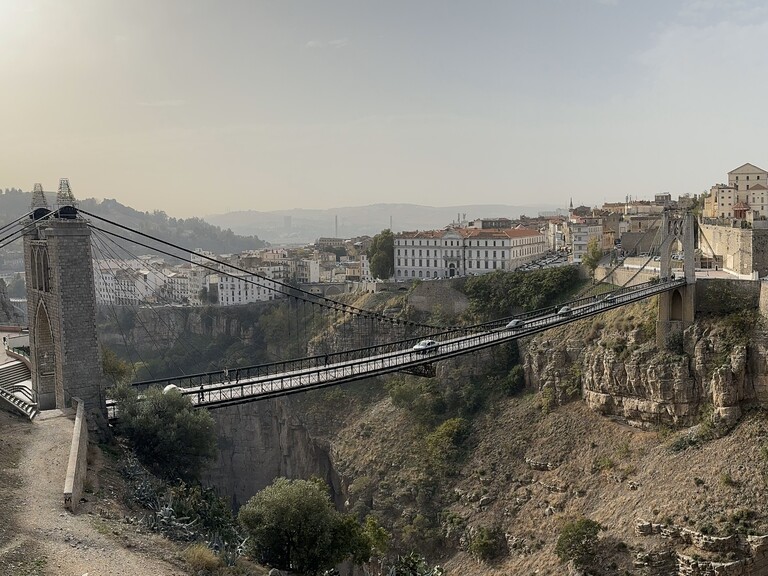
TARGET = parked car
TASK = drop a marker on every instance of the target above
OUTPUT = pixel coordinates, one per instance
(565, 311)
(426, 346)
(515, 324)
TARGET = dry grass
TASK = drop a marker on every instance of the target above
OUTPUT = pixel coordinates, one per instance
(200, 557)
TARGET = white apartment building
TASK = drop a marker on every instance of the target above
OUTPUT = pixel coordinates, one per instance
(461, 251)
(307, 271)
(245, 289)
(581, 233)
(178, 288)
(125, 285)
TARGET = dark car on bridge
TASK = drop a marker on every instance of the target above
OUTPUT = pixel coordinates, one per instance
(515, 324)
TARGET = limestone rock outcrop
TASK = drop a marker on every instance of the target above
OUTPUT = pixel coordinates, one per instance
(620, 375)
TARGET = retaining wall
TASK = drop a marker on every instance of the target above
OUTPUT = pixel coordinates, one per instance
(78, 464)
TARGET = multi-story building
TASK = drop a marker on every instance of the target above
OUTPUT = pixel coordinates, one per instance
(744, 197)
(720, 202)
(246, 288)
(365, 269)
(177, 288)
(581, 232)
(461, 251)
(746, 176)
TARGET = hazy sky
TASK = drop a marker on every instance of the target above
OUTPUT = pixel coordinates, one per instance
(198, 107)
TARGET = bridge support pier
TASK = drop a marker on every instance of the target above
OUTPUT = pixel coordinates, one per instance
(676, 308)
(676, 312)
(61, 299)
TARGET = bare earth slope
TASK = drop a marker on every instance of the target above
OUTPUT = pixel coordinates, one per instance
(531, 471)
(38, 537)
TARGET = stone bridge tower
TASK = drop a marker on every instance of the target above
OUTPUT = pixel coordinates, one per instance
(61, 302)
(676, 307)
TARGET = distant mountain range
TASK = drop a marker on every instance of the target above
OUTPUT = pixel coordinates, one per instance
(301, 226)
(237, 231)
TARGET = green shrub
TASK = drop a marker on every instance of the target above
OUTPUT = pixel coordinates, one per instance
(211, 514)
(168, 435)
(548, 400)
(602, 463)
(292, 525)
(487, 543)
(578, 542)
(514, 383)
(444, 443)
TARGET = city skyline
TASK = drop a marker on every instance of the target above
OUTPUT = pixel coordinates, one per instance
(200, 108)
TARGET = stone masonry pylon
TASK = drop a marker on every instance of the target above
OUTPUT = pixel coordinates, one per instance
(61, 301)
(676, 307)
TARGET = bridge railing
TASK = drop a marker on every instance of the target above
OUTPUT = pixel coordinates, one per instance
(321, 362)
(235, 375)
(578, 303)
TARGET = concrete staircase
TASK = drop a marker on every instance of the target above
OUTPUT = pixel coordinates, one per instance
(15, 388)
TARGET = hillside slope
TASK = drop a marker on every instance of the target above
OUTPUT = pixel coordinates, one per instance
(530, 463)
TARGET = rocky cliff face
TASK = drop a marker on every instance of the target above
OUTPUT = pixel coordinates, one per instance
(259, 442)
(615, 366)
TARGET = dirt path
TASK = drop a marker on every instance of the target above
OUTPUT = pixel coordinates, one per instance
(46, 539)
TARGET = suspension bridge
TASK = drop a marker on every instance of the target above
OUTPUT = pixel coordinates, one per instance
(64, 361)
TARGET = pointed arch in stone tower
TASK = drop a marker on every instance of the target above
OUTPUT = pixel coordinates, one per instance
(676, 307)
(61, 301)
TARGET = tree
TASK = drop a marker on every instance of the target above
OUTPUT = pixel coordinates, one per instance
(592, 258)
(292, 525)
(381, 255)
(169, 436)
(115, 369)
(578, 542)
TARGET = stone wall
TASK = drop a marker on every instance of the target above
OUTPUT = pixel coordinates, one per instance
(78, 465)
(743, 249)
(621, 276)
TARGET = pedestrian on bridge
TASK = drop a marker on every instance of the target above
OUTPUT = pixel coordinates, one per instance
(200, 394)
